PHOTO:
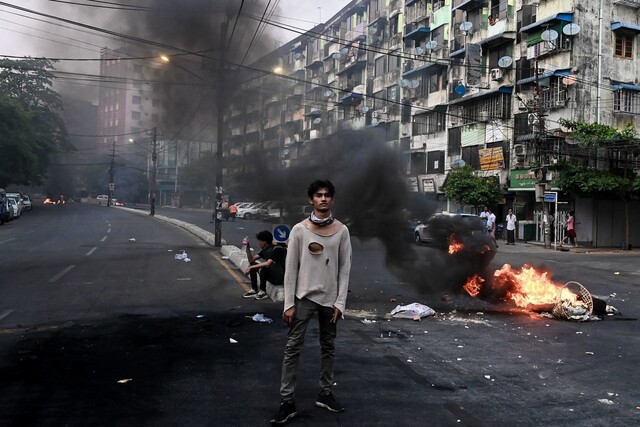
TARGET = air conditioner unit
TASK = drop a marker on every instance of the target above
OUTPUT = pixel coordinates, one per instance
(559, 104)
(519, 149)
(483, 116)
(497, 74)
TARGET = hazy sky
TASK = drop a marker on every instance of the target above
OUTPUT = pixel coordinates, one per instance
(22, 36)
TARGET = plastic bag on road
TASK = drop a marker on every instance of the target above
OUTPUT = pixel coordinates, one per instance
(259, 317)
(412, 311)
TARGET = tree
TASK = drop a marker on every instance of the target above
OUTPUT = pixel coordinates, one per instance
(611, 149)
(31, 127)
(466, 188)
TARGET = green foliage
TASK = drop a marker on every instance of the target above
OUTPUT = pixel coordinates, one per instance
(582, 181)
(31, 127)
(468, 189)
(598, 135)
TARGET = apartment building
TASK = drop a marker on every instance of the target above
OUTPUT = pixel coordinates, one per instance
(478, 82)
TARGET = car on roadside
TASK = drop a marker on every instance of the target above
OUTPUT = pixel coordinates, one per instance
(103, 199)
(26, 200)
(438, 228)
(18, 198)
(116, 202)
(5, 211)
(253, 211)
(14, 208)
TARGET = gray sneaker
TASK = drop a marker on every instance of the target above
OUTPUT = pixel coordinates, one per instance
(250, 294)
(261, 295)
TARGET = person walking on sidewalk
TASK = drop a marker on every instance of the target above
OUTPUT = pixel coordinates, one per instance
(571, 229)
(491, 226)
(316, 281)
(511, 228)
(270, 270)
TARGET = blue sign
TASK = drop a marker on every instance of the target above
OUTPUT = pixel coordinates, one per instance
(281, 233)
(550, 197)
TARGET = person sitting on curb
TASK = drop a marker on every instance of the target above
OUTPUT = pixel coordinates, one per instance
(269, 270)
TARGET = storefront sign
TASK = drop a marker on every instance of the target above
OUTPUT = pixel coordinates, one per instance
(491, 158)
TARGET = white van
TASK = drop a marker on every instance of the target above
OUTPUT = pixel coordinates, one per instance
(103, 199)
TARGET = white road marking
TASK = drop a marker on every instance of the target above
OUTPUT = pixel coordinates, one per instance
(103, 239)
(5, 314)
(183, 278)
(8, 240)
(91, 251)
(108, 230)
(62, 273)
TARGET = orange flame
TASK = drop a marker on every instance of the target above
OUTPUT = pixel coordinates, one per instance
(526, 286)
(454, 245)
(474, 285)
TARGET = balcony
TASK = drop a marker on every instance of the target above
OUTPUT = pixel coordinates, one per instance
(635, 4)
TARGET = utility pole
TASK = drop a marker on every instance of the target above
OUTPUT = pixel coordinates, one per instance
(152, 178)
(217, 213)
(112, 170)
(542, 167)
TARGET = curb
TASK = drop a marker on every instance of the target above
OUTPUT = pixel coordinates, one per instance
(235, 254)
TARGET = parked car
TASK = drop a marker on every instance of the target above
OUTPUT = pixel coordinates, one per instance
(5, 211)
(275, 209)
(437, 229)
(26, 200)
(15, 209)
(103, 199)
(300, 212)
(253, 211)
(116, 202)
(18, 198)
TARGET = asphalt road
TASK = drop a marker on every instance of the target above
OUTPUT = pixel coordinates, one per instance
(82, 307)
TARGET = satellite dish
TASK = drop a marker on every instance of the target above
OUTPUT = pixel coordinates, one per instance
(460, 89)
(414, 84)
(418, 51)
(571, 29)
(532, 119)
(365, 110)
(505, 62)
(344, 50)
(297, 55)
(328, 93)
(405, 83)
(569, 80)
(466, 26)
(336, 55)
(549, 35)
(457, 163)
(317, 120)
(432, 45)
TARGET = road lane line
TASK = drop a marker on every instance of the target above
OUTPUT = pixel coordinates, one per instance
(8, 240)
(62, 273)
(5, 314)
(233, 274)
(103, 239)
(108, 230)
(91, 251)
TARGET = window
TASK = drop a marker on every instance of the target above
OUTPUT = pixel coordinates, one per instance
(136, 100)
(135, 115)
(381, 67)
(626, 101)
(429, 123)
(623, 45)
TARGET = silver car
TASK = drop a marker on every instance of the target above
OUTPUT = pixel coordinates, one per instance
(439, 227)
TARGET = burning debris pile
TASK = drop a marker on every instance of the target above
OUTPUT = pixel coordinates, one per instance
(532, 289)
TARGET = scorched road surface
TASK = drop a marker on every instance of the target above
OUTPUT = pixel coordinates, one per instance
(129, 336)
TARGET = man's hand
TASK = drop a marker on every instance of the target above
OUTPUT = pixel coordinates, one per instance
(247, 271)
(337, 314)
(289, 316)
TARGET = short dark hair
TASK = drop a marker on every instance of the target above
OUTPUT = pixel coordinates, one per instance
(265, 236)
(572, 213)
(318, 184)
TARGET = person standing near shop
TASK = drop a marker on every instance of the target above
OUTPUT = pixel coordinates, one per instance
(571, 229)
(511, 228)
(316, 281)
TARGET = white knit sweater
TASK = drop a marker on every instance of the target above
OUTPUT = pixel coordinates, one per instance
(323, 276)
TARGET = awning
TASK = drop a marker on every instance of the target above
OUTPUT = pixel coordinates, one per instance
(298, 47)
(469, 4)
(504, 37)
(423, 67)
(418, 34)
(616, 25)
(410, 2)
(315, 63)
(351, 99)
(564, 16)
(626, 86)
(559, 73)
(313, 113)
(501, 89)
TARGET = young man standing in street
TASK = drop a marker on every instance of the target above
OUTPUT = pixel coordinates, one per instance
(316, 281)
(511, 228)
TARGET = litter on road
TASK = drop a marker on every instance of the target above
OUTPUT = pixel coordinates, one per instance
(261, 318)
(182, 256)
(124, 381)
(133, 239)
(232, 341)
(412, 311)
